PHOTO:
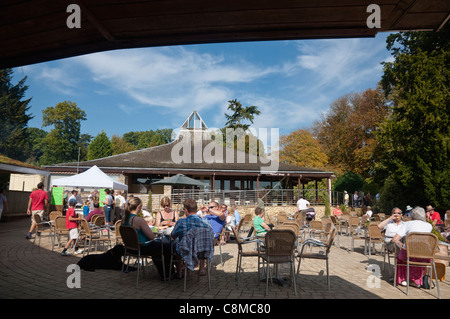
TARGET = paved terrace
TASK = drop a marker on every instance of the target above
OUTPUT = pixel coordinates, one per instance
(30, 271)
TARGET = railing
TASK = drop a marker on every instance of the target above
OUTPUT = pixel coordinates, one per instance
(270, 197)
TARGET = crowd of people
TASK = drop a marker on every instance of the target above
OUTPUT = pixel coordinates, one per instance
(215, 217)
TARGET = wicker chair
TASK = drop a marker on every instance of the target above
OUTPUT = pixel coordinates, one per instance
(355, 231)
(423, 246)
(59, 229)
(374, 236)
(91, 236)
(279, 249)
(132, 249)
(249, 253)
(318, 255)
(117, 236)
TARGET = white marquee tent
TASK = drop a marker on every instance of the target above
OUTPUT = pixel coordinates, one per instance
(92, 178)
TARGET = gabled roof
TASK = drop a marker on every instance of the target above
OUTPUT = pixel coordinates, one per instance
(189, 156)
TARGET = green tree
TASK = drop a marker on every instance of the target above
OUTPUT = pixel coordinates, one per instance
(119, 145)
(33, 145)
(240, 114)
(13, 116)
(99, 147)
(150, 138)
(414, 140)
(62, 143)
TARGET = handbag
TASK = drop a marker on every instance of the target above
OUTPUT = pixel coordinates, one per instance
(426, 282)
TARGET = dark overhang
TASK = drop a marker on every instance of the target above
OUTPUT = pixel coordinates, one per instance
(36, 31)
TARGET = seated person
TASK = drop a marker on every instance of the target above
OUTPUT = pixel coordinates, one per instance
(96, 211)
(181, 228)
(337, 212)
(216, 218)
(391, 225)
(148, 244)
(261, 227)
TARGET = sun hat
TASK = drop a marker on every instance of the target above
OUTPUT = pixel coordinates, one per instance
(408, 208)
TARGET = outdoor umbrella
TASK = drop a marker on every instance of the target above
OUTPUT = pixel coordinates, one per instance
(180, 181)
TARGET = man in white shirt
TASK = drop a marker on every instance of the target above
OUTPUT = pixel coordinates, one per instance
(369, 212)
(302, 206)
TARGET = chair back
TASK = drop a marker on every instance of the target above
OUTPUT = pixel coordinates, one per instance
(60, 223)
(353, 221)
(85, 227)
(316, 224)
(291, 226)
(377, 218)
(280, 245)
(236, 235)
(247, 218)
(282, 218)
(99, 220)
(333, 219)
(364, 219)
(374, 232)
(53, 214)
(130, 237)
(330, 239)
(421, 245)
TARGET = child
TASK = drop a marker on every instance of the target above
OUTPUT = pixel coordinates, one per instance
(150, 221)
(72, 225)
(86, 208)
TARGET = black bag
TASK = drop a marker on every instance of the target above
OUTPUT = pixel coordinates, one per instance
(426, 282)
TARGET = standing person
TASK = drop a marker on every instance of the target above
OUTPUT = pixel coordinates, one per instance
(108, 208)
(3, 203)
(119, 206)
(302, 207)
(356, 199)
(216, 218)
(192, 220)
(237, 216)
(346, 198)
(72, 220)
(37, 205)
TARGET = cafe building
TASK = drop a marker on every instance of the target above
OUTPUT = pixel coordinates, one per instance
(236, 176)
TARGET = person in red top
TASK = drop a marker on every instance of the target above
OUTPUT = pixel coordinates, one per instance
(37, 205)
(433, 215)
(72, 219)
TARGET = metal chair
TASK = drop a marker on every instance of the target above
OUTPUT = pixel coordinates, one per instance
(321, 256)
(279, 249)
(90, 236)
(42, 227)
(249, 253)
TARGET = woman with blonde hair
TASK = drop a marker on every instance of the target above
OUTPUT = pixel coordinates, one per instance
(166, 217)
(149, 245)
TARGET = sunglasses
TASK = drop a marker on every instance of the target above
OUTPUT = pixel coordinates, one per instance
(166, 206)
(212, 206)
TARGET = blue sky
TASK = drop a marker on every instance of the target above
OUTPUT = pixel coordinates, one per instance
(292, 82)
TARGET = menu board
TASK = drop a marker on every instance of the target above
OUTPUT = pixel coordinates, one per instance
(57, 195)
(102, 197)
